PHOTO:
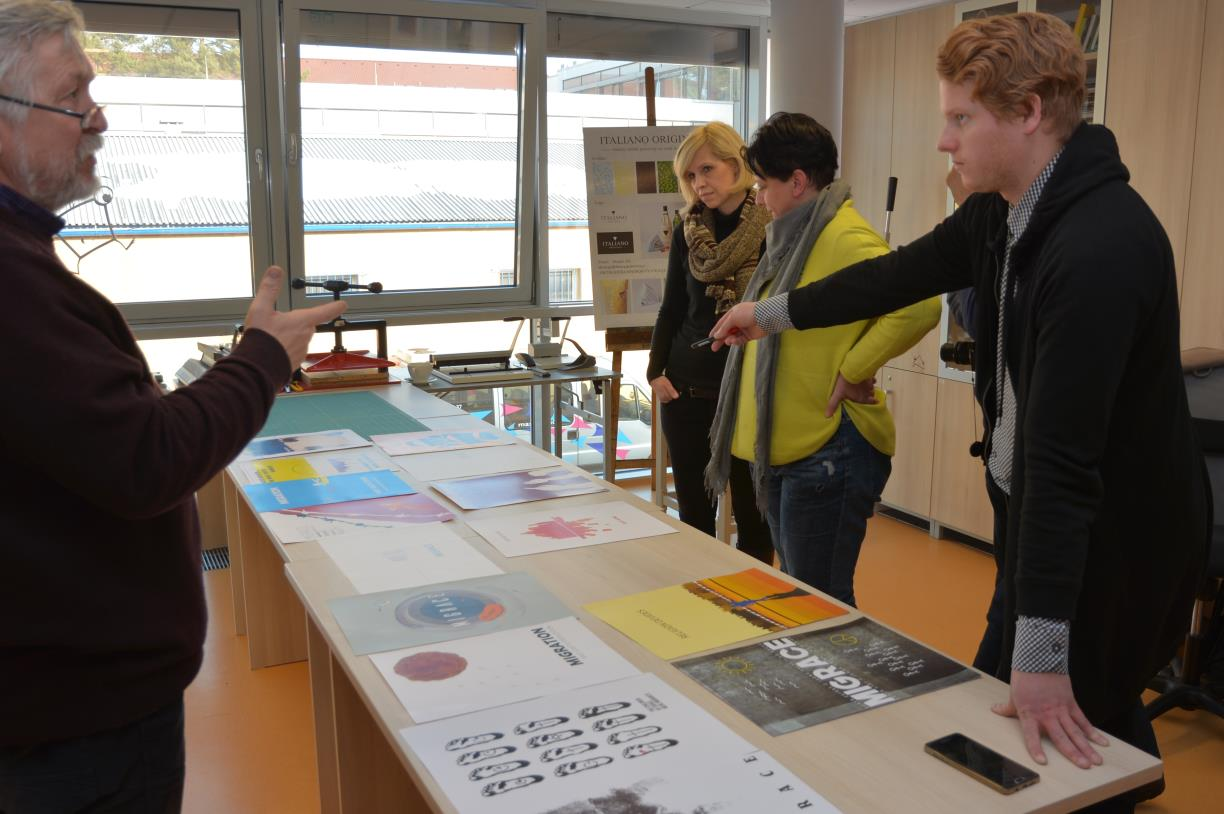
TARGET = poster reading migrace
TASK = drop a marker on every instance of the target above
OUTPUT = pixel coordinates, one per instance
(633, 210)
(794, 682)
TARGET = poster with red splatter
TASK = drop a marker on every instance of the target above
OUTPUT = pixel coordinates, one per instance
(570, 527)
(451, 678)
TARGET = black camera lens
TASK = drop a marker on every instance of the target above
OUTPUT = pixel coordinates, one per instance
(957, 353)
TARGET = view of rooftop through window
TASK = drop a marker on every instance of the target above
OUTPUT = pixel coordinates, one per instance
(410, 155)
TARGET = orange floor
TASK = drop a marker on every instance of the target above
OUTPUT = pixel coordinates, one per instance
(250, 746)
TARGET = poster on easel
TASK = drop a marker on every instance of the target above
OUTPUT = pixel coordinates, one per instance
(633, 211)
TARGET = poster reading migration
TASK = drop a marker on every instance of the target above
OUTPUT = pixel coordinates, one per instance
(794, 682)
(633, 210)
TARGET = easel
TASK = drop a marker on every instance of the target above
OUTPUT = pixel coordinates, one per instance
(619, 340)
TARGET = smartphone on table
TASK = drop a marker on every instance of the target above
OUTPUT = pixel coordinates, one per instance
(1000, 773)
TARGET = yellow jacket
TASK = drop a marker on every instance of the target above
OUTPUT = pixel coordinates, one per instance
(808, 361)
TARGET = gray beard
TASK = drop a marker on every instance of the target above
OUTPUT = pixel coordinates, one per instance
(57, 188)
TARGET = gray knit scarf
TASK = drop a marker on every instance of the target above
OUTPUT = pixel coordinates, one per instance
(788, 242)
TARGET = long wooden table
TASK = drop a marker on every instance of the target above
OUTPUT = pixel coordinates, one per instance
(266, 610)
(869, 762)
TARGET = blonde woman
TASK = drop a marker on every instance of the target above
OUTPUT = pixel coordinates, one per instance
(708, 269)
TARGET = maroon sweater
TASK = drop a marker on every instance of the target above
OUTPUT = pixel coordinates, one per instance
(102, 610)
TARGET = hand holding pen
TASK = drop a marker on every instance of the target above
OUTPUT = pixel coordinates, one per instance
(736, 327)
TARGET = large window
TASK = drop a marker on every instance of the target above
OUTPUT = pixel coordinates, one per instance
(169, 235)
(596, 73)
(390, 141)
(407, 152)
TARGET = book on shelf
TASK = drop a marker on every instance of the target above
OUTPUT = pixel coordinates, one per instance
(1092, 33)
(1086, 11)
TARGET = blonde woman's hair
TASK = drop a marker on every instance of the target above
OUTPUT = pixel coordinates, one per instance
(724, 143)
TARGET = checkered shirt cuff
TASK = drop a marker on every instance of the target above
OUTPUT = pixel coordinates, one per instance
(1042, 645)
(773, 314)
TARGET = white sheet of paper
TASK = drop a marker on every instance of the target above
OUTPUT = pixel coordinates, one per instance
(278, 446)
(415, 443)
(568, 527)
(633, 738)
(463, 463)
(405, 558)
(465, 421)
(452, 678)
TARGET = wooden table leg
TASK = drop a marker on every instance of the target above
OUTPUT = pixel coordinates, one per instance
(276, 627)
(372, 779)
(233, 536)
(320, 659)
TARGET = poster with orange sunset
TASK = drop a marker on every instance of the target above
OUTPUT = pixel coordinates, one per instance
(684, 619)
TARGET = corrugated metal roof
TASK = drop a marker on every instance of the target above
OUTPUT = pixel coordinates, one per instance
(194, 181)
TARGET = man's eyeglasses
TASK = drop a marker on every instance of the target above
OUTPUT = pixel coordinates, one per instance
(90, 119)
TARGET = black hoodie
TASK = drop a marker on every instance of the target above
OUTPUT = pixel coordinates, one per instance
(1109, 513)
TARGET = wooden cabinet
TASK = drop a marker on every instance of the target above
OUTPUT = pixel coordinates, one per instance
(867, 116)
(922, 197)
(921, 170)
(1202, 292)
(1155, 53)
(958, 480)
(911, 400)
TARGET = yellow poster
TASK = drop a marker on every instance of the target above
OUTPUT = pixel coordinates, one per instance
(278, 470)
(696, 616)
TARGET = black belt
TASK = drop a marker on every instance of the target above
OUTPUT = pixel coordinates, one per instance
(698, 392)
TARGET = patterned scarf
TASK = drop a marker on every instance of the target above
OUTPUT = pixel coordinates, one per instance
(725, 266)
(789, 241)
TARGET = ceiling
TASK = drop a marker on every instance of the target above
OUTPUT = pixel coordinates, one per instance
(856, 10)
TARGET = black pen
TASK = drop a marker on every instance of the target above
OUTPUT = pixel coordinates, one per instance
(709, 340)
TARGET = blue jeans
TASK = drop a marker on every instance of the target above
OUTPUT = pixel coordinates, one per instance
(818, 509)
(133, 769)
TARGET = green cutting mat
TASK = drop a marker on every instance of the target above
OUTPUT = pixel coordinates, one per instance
(364, 413)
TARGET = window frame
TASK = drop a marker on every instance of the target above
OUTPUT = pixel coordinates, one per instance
(275, 201)
(171, 318)
(391, 304)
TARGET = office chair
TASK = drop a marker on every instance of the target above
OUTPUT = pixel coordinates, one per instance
(1181, 684)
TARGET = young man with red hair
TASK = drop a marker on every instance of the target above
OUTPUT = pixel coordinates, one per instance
(1102, 512)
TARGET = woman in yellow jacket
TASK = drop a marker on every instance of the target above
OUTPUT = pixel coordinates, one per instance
(802, 406)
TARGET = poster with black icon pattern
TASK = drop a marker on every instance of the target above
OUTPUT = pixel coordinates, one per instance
(631, 745)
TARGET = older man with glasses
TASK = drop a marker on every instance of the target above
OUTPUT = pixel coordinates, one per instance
(102, 611)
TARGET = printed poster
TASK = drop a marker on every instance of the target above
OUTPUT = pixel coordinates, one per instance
(385, 560)
(317, 465)
(464, 463)
(413, 443)
(319, 522)
(291, 494)
(569, 527)
(794, 682)
(633, 745)
(684, 619)
(409, 617)
(517, 487)
(275, 446)
(456, 677)
(633, 211)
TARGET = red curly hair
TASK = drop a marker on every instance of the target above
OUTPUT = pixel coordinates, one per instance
(1012, 56)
